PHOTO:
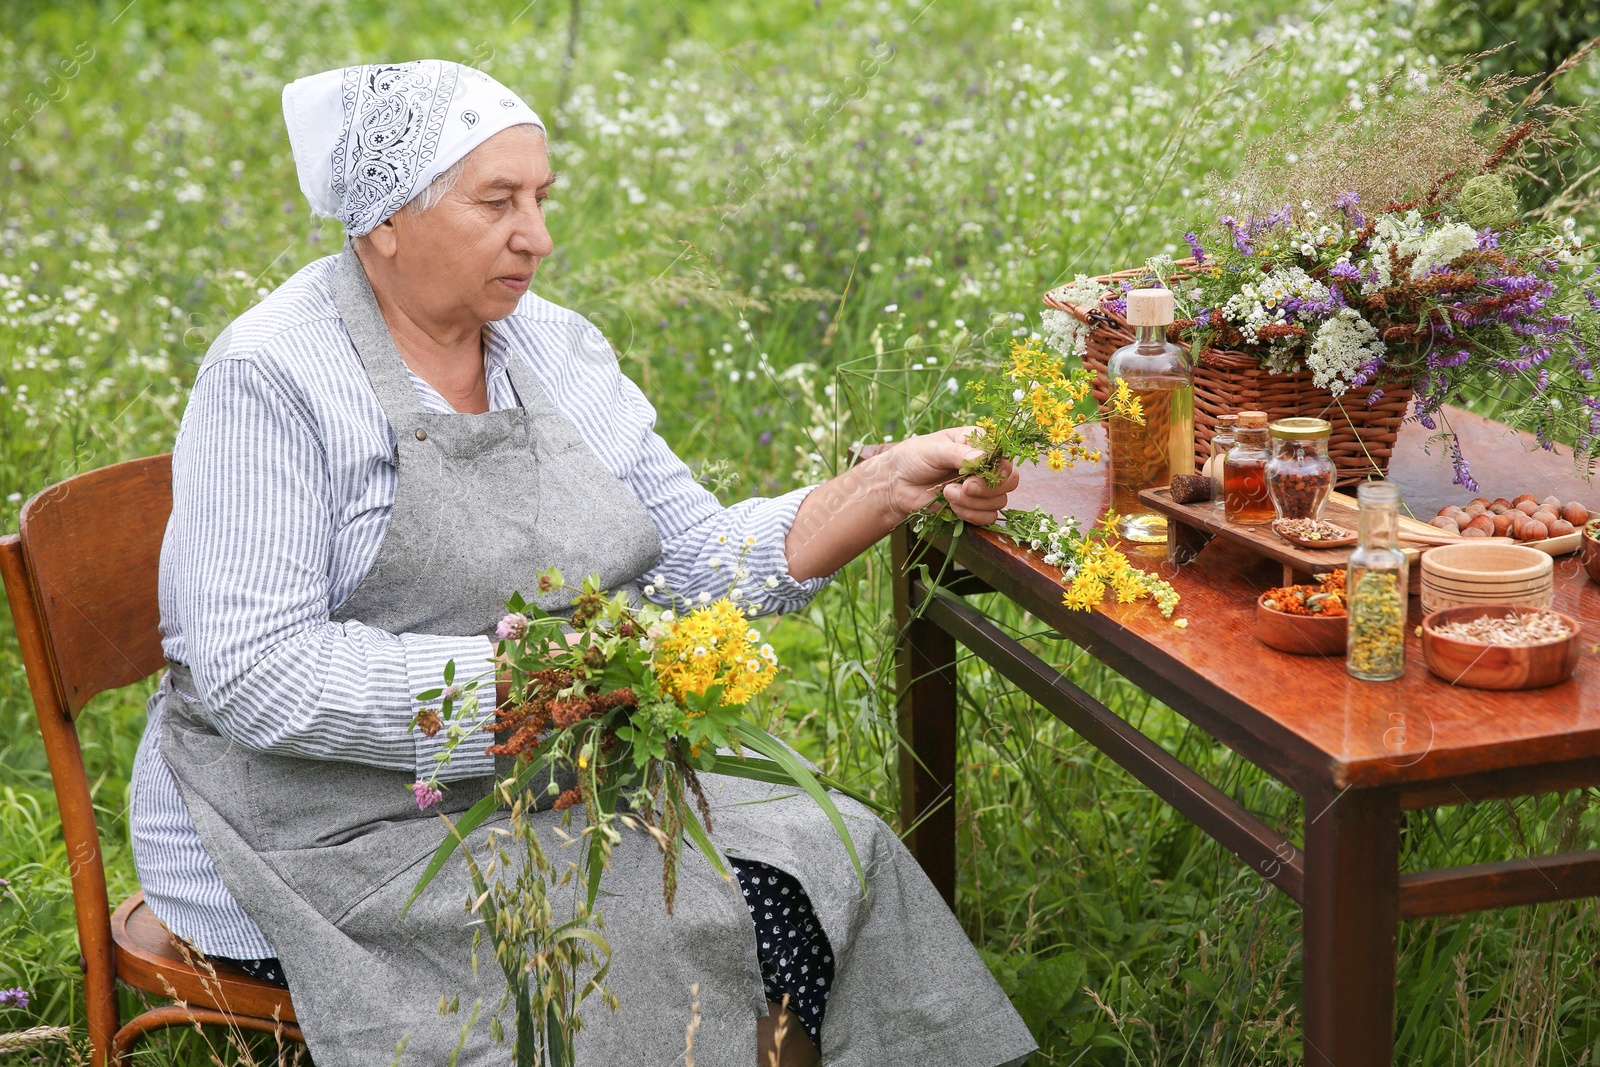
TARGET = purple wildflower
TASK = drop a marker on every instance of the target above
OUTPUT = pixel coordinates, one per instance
(1463, 475)
(13, 998)
(1345, 271)
(427, 795)
(1487, 238)
(1194, 247)
(1346, 202)
(1241, 238)
(1373, 397)
(513, 627)
(765, 438)
(1202, 318)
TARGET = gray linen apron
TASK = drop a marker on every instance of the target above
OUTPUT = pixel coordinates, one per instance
(322, 855)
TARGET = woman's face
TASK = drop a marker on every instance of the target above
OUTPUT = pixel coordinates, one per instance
(469, 258)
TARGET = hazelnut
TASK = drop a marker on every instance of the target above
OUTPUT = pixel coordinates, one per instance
(1473, 531)
(1553, 501)
(1502, 523)
(1561, 527)
(1480, 522)
(1534, 530)
(1500, 505)
(1546, 516)
(1479, 501)
(1525, 496)
(1446, 523)
(1575, 513)
(1527, 506)
(1476, 509)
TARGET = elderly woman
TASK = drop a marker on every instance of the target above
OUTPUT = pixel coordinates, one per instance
(373, 459)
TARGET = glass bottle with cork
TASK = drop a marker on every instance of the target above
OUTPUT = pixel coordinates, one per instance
(1376, 583)
(1245, 498)
(1221, 441)
(1146, 455)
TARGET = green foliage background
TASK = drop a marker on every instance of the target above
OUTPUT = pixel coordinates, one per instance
(799, 222)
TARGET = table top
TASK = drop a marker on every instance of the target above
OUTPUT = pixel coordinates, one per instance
(1304, 718)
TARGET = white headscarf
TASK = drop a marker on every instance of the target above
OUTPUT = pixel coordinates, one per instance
(367, 139)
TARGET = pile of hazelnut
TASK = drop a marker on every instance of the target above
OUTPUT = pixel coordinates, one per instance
(1526, 518)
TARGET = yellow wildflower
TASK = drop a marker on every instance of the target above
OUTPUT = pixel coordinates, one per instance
(1055, 460)
(1124, 403)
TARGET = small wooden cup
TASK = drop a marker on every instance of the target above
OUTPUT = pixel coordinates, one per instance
(1480, 666)
(1300, 635)
(1591, 549)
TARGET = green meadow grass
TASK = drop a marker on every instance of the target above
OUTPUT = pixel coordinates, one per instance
(799, 223)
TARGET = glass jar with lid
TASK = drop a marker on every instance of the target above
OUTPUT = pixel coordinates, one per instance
(1300, 475)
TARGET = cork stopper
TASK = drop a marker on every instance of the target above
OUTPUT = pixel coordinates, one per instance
(1226, 421)
(1150, 307)
(1252, 420)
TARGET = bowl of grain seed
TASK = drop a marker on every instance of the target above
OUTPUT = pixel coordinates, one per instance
(1500, 646)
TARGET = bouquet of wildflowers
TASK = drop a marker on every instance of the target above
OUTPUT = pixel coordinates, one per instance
(621, 715)
(1035, 412)
(1091, 564)
(629, 710)
(1402, 257)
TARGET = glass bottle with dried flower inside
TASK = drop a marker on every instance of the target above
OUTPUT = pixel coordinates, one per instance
(1145, 455)
(1244, 473)
(1300, 474)
(1376, 581)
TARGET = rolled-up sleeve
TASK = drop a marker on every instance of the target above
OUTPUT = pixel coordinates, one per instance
(703, 543)
(253, 520)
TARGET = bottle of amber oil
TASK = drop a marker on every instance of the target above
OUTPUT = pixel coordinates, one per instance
(1146, 455)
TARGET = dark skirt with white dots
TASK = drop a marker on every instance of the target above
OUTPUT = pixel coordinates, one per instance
(796, 959)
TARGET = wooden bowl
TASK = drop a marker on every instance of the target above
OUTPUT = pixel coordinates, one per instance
(1480, 666)
(1591, 549)
(1300, 635)
(1470, 573)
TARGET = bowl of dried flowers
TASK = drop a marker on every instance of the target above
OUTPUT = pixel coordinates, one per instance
(1591, 549)
(1304, 620)
(1500, 646)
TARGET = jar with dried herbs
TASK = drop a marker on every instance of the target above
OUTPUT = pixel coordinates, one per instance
(1300, 474)
(1377, 580)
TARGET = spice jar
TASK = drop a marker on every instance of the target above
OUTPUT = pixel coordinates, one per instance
(1300, 474)
(1376, 581)
(1221, 442)
(1244, 472)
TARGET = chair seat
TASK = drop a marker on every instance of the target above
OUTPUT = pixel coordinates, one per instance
(147, 952)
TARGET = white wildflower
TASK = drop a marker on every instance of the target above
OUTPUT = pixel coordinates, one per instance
(1443, 246)
(1343, 345)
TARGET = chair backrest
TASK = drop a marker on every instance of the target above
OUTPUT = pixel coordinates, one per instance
(93, 547)
(81, 578)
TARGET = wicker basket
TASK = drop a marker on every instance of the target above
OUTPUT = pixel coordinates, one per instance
(1227, 382)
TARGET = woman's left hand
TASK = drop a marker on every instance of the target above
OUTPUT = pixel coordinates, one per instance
(923, 466)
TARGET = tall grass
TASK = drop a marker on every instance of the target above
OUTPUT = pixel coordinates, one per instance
(799, 223)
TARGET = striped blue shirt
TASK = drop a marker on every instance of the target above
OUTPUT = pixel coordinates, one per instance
(283, 478)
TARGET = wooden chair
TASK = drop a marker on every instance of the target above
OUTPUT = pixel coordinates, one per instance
(81, 579)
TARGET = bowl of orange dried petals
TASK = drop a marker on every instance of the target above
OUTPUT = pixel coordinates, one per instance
(1304, 620)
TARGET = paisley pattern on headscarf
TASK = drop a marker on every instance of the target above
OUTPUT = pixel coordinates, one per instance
(393, 119)
(367, 139)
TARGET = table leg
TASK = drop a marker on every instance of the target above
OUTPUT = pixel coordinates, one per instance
(925, 679)
(1352, 844)
(1184, 542)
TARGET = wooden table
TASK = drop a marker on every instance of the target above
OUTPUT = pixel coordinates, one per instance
(1357, 752)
